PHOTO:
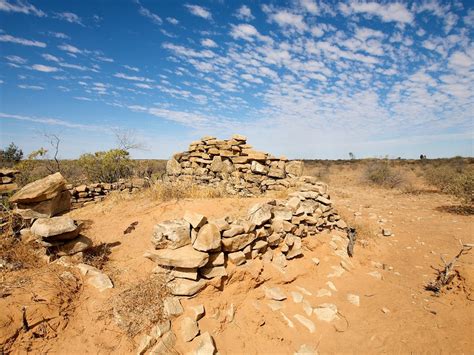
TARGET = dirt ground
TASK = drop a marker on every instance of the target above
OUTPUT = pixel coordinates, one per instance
(395, 313)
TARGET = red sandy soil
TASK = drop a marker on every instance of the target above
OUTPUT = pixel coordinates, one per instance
(416, 321)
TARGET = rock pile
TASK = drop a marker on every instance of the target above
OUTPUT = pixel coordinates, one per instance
(193, 249)
(60, 236)
(234, 164)
(46, 197)
(83, 195)
(7, 180)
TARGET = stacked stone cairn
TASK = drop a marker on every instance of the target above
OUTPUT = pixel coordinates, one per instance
(7, 181)
(39, 203)
(83, 195)
(43, 198)
(234, 164)
(193, 249)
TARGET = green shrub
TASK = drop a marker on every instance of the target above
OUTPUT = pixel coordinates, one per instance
(380, 173)
(10, 155)
(109, 166)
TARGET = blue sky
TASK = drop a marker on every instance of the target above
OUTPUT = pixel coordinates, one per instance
(303, 78)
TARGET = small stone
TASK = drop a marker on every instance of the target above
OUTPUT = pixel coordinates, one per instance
(55, 228)
(305, 322)
(74, 246)
(213, 271)
(165, 345)
(306, 350)
(375, 274)
(216, 259)
(326, 312)
(323, 293)
(184, 287)
(237, 258)
(274, 293)
(296, 296)
(171, 234)
(338, 271)
(172, 306)
(208, 238)
(331, 286)
(198, 311)
(234, 230)
(195, 219)
(307, 308)
(260, 213)
(315, 260)
(385, 310)
(287, 320)
(146, 343)
(206, 345)
(100, 281)
(303, 290)
(160, 329)
(354, 299)
(275, 305)
(189, 329)
(386, 232)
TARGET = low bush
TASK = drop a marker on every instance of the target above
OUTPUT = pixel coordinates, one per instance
(165, 191)
(109, 166)
(456, 179)
(380, 173)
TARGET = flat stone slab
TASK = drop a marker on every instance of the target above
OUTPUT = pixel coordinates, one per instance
(60, 227)
(184, 287)
(326, 312)
(40, 190)
(185, 257)
(305, 322)
(275, 293)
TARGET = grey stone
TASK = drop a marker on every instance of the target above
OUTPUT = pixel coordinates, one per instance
(306, 322)
(260, 213)
(208, 238)
(195, 219)
(326, 312)
(184, 287)
(274, 293)
(172, 307)
(206, 345)
(185, 257)
(238, 242)
(189, 329)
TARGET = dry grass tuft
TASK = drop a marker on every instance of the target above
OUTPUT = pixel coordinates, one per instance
(166, 191)
(97, 256)
(140, 306)
(382, 173)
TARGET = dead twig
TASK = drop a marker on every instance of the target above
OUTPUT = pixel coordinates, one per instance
(446, 275)
(26, 326)
(352, 235)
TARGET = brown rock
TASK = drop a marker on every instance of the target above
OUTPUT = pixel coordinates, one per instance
(40, 190)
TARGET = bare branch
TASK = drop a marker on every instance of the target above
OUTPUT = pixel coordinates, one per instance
(127, 140)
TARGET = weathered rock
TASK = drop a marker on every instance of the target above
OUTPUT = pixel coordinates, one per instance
(179, 272)
(237, 258)
(306, 322)
(274, 293)
(208, 238)
(172, 307)
(171, 234)
(165, 345)
(306, 350)
(295, 168)
(260, 213)
(257, 168)
(96, 278)
(195, 219)
(189, 329)
(47, 208)
(213, 271)
(216, 259)
(354, 299)
(183, 287)
(40, 190)
(198, 311)
(185, 257)
(217, 164)
(146, 342)
(173, 167)
(206, 345)
(326, 312)
(161, 328)
(61, 228)
(238, 242)
(74, 246)
(234, 230)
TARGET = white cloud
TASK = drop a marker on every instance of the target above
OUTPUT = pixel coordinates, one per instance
(391, 12)
(69, 48)
(22, 41)
(30, 87)
(44, 68)
(59, 35)
(199, 11)
(15, 59)
(143, 86)
(132, 78)
(53, 122)
(148, 14)
(244, 13)
(74, 66)
(460, 59)
(172, 20)
(310, 6)
(135, 69)
(248, 33)
(20, 6)
(50, 57)
(69, 17)
(208, 43)
(287, 19)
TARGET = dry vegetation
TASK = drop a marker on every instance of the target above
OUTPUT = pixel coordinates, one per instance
(140, 306)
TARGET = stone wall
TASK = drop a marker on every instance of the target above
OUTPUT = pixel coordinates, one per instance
(194, 249)
(235, 164)
(85, 194)
(7, 180)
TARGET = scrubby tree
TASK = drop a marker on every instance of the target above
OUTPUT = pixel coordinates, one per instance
(11, 154)
(351, 156)
(109, 166)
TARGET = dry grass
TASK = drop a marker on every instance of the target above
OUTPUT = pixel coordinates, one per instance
(166, 191)
(97, 256)
(365, 230)
(140, 306)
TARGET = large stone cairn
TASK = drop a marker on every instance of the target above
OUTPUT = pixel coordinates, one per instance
(233, 163)
(43, 198)
(83, 195)
(193, 249)
(7, 180)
